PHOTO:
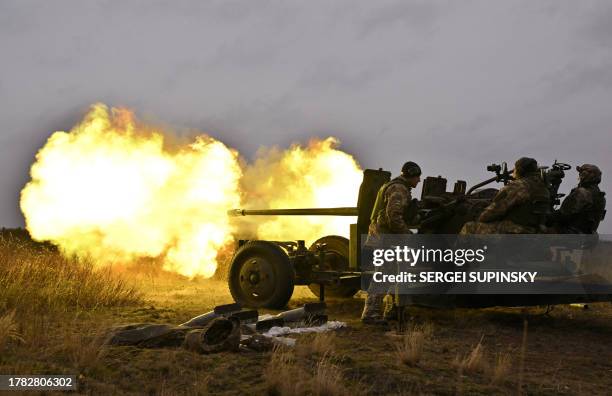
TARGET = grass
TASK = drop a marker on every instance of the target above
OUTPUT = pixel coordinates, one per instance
(427, 328)
(8, 329)
(292, 372)
(36, 278)
(474, 361)
(323, 343)
(319, 345)
(84, 350)
(410, 349)
(281, 374)
(328, 380)
(62, 335)
(502, 368)
(46, 305)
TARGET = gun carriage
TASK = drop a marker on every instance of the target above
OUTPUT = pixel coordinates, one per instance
(264, 273)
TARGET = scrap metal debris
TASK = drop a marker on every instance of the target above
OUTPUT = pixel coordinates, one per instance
(228, 328)
(221, 334)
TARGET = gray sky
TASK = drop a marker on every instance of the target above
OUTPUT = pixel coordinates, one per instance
(452, 85)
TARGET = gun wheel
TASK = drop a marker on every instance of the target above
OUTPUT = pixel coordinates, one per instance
(261, 276)
(336, 259)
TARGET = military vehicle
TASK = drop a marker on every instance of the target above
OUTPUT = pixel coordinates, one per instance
(264, 273)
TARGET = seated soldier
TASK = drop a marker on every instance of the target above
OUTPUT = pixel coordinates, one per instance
(584, 208)
(520, 207)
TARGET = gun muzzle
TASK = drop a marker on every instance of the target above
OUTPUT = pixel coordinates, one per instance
(235, 212)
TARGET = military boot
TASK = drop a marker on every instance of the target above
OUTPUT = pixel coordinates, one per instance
(373, 309)
(390, 312)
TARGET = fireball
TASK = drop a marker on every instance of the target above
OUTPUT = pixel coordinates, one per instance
(111, 190)
(316, 176)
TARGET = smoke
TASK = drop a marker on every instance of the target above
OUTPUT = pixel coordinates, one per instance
(316, 175)
(115, 190)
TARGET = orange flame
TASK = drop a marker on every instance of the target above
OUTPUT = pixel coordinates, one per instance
(114, 190)
(316, 176)
(109, 189)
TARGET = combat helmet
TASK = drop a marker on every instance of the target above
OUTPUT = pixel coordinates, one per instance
(411, 169)
(524, 166)
(589, 174)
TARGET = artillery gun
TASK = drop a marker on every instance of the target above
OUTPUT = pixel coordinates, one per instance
(264, 273)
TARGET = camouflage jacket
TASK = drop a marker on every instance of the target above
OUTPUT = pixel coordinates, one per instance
(390, 218)
(514, 206)
(495, 227)
(582, 210)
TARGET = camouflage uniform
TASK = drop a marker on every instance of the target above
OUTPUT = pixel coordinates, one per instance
(520, 207)
(584, 207)
(388, 217)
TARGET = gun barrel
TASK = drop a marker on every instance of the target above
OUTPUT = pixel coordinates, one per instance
(484, 183)
(346, 211)
(481, 184)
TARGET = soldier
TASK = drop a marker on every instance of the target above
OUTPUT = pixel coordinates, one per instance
(520, 207)
(584, 208)
(390, 215)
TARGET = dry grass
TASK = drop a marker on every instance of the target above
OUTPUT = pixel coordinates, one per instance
(474, 361)
(194, 382)
(501, 368)
(8, 329)
(328, 380)
(65, 342)
(289, 374)
(323, 343)
(84, 351)
(200, 388)
(477, 362)
(319, 345)
(37, 279)
(427, 328)
(410, 349)
(522, 356)
(49, 297)
(281, 374)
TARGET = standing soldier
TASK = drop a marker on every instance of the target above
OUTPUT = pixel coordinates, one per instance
(520, 207)
(584, 208)
(390, 215)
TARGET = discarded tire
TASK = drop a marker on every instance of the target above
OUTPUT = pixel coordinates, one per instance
(219, 335)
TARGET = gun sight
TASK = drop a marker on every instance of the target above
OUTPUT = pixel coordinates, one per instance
(494, 168)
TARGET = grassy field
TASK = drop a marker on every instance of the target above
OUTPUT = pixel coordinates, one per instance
(54, 313)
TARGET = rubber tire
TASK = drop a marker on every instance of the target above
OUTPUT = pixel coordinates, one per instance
(284, 274)
(341, 246)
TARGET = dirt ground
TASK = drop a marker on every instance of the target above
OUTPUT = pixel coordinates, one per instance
(568, 351)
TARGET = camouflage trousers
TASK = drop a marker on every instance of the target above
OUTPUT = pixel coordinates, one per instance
(373, 307)
(495, 227)
(379, 307)
(379, 304)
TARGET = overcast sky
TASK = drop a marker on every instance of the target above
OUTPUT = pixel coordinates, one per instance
(451, 85)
